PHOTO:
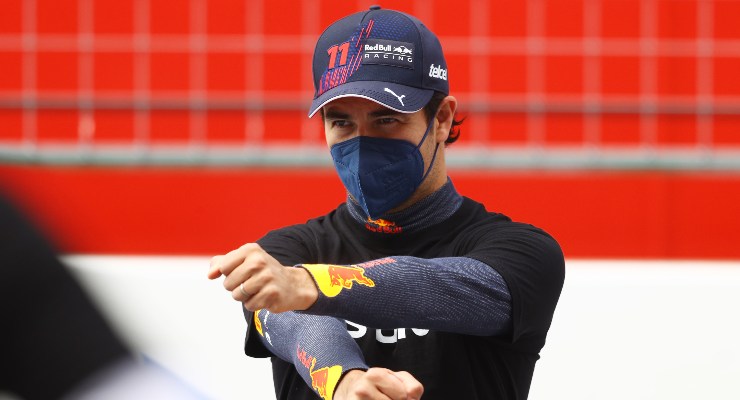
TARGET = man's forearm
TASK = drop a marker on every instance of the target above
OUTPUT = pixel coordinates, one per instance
(453, 294)
(319, 347)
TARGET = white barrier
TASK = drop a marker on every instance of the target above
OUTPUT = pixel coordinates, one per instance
(644, 330)
(622, 330)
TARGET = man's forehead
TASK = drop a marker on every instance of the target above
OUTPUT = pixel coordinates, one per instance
(352, 101)
(354, 104)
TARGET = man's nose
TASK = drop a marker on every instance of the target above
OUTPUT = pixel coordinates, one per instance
(361, 130)
(364, 129)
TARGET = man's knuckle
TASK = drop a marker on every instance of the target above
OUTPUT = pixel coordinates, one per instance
(253, 260)
(271, 293)
(362, 391)
(373, 374)
(267, 278)
(249, 247)
(260, 258)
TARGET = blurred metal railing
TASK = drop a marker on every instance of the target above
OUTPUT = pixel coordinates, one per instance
(528, 154)
(480, 103)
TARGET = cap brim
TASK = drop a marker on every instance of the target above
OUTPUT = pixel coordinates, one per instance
(401, 98)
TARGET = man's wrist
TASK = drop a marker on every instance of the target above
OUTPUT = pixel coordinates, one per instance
(306, 288)
(345, 382)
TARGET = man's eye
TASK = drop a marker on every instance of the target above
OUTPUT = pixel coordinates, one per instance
(386, 121)
(340, 123)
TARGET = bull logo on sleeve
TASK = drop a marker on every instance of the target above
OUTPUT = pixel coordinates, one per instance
(346, 276)
(324, 380)
(332, 279)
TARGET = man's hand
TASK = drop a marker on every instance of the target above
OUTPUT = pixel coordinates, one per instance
(259, 281)
(378, 384)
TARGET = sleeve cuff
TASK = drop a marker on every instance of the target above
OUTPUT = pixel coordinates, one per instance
(253, 347)
(322, 279)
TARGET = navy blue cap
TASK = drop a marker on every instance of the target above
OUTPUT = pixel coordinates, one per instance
(382, 55)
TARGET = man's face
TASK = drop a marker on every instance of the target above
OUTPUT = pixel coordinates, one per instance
(348, 117)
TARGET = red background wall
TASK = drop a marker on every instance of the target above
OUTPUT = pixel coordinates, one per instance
(211, 211)
(230, 71)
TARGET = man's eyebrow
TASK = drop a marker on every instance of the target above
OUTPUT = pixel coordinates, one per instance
(332, 114)
(380, 112)
(384, 112)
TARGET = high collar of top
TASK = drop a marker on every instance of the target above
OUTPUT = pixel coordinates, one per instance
(428, 211)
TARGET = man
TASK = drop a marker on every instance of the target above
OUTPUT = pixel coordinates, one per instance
(440, 297)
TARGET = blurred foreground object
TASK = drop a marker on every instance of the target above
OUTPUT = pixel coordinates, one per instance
(54, 342)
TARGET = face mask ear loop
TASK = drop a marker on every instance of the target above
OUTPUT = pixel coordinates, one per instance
(423, 138)
(429, 127)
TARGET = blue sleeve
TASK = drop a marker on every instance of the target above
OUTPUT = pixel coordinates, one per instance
(320, 347)
(451, 294)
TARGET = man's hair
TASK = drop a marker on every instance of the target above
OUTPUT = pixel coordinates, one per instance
(431, 109)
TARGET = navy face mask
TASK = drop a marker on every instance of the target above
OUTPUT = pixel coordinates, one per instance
(380, 173)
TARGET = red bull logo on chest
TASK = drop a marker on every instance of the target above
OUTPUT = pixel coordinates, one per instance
(382, 226)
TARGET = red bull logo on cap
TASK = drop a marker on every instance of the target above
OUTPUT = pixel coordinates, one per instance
(332, 279)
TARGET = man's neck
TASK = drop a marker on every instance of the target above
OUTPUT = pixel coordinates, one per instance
(428, 211)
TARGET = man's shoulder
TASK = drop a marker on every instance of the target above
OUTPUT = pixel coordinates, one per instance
(310, 231)
(330, 220)
(299, 243)
(485, 218)
(478, 216)
(497, 230)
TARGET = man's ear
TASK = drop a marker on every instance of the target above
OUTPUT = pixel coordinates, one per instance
(445, 116)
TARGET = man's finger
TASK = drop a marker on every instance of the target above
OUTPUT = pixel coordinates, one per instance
(229, 261)
(414, 388)
(387, 383)
(241, 294)
(250, 262)
(213, 270)
(255, 302)
(236, 277)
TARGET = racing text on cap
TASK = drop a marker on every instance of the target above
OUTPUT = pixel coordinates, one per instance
(388, 52)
